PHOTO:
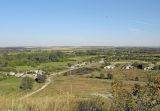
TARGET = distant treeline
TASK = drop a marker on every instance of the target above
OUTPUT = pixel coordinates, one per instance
(115, 54)
(10, 58)
(30, 59)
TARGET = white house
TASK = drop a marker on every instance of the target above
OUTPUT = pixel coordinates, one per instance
(129, 66)
(150, 67)
(19, 74)
(72, 67)
(36, 71)
(11, 73)
(109, 67)
(102, 61)
(84, 63)
(40, 72)
(29, 75)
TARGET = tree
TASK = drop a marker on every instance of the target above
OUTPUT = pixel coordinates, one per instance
(69, 64)
(27, 83)
(92, 75)
(140, 98)
(136, 78)
(109, 76)
(106, 63)
(102, 76)
(41, 78)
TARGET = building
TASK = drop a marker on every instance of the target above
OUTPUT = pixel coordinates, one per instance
(150, 67)
(12, 73)
(109, 67)
(129, 67)
(102, 61)
(19, 74)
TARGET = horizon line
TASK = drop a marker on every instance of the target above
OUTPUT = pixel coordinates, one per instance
(74, 46)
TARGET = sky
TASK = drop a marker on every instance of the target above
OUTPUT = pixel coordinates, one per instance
(79, 23)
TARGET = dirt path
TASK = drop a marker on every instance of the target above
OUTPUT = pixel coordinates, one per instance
(38, 90)
(46, 84)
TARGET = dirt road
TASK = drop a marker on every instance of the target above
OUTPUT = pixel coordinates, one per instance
(46, 84)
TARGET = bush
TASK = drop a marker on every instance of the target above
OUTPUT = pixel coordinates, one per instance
(93, 104)
(27, 83)
(138, 65)
(102, 76)
(157, 67)
(139, 98)
(109, 76)
(69, 64)
(3, 77)
(136, 79)
(92, 75)
(41, 78)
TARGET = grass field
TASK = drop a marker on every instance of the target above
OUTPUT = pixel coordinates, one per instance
(82, 85)
(10, 88)
(65, 92)
(77, 86)
(24, 68)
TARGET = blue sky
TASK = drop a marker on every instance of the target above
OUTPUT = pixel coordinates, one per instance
(79, 22)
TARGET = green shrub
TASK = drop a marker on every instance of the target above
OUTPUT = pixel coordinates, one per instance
(157, 67)
(136, 79)
(139, 98)
(41, 78)
(107, 63)
(69, 64)
(27, 83)
(109, 76)
(92, 75)
(102, 76)
(138, 65)
(3, 77)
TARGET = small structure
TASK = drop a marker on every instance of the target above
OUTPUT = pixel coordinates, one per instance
(19, 74)
(102, 61)
(30, 76)
(109, 67)
(72, 67)
(129, 66)
(83, 63)
(11, 73)
(4, 73)
(150, 67)
(79, 65)
(36, 71)
(40, 72)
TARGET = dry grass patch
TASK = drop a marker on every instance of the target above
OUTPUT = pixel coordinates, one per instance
(77, 86)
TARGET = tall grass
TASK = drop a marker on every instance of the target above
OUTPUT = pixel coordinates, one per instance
(60, 103)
